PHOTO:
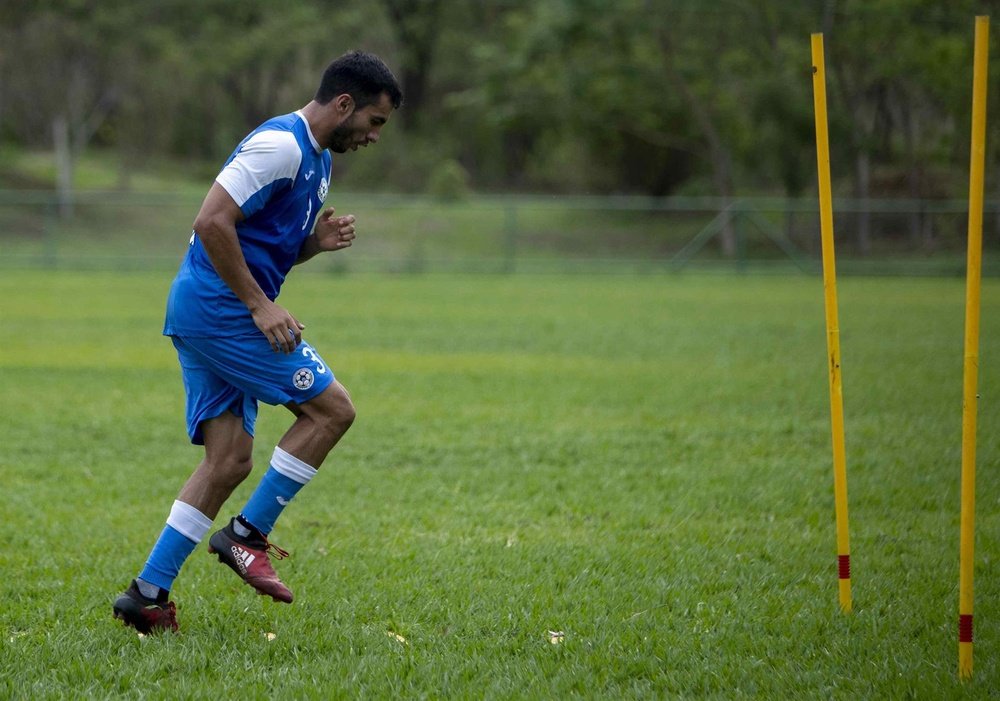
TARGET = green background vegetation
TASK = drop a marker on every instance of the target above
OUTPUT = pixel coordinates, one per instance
(652, 97)
(640, 98)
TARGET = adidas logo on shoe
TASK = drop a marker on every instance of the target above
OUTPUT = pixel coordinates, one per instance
(243, 558)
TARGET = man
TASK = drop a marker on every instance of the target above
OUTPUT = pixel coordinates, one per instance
(236, 346)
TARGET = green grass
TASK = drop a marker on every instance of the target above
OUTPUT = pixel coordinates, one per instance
(640, 462)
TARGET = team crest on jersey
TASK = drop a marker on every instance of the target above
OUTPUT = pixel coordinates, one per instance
(324, 187)
(303, 378)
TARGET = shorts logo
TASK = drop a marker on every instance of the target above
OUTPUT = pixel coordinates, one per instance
(303, 378)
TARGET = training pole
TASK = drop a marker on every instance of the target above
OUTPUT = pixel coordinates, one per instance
(832, 324)
(971, 365)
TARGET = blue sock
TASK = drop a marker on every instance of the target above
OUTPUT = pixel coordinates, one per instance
(282, 481)
(169, 553)
(185, 528)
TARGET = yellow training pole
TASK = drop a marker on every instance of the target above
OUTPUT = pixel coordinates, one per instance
(832, 324)
(971, 366)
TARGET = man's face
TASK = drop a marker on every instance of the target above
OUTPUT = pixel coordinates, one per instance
(362, 126)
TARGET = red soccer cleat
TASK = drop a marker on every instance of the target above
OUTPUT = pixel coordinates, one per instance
(248, 557)
(145, 615)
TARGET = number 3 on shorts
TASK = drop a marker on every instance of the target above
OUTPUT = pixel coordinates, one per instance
(308, 352)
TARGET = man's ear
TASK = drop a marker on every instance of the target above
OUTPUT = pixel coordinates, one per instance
(344, 104)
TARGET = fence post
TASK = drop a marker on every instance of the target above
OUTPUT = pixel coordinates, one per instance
(50, 246)
(510, 238)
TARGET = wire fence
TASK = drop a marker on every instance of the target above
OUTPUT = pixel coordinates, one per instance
(523, 234)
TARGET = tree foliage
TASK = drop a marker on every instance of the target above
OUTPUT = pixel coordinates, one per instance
(638, 96)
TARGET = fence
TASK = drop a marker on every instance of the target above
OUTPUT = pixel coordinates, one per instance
(517, 234)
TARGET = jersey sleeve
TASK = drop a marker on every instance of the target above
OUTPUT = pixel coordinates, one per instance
(265, 163)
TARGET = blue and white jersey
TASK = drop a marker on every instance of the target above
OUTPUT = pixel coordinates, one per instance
(279, 177)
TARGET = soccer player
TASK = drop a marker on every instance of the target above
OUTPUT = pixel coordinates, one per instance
(237, 346)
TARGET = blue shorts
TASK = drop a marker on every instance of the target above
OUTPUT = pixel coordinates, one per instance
(232, 373)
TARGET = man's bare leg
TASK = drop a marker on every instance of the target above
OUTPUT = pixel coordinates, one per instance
(319, 424)
(243, 545)
(228, 461)
(228, 448)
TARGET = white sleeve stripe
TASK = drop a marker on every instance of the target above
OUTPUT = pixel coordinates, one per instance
(188, 521)
(266, 156)
(291, 467)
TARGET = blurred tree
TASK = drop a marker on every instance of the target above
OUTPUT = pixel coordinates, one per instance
(639, 96)
(780, 93)
(742, 76)
(893, 65)
(685, 67)
(63, 74)
(575, 95)
(417, 27)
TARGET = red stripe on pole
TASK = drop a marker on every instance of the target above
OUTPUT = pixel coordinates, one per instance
(965, 628)
(844, 566)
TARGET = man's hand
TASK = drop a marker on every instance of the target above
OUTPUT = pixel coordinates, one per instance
(334, 233)
(282, 330)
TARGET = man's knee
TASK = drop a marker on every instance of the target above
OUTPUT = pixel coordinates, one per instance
(228, 450)
(335, 411)
(230, 470)
(341, 414)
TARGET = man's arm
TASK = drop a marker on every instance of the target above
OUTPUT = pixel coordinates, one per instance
(215, 226)
(330, 234)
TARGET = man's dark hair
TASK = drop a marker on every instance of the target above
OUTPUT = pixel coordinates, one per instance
(361, 75)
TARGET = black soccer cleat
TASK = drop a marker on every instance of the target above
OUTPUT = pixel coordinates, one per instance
(248, 557)
(145, 615)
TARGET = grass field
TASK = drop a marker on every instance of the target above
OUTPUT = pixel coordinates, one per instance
(641, 463)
